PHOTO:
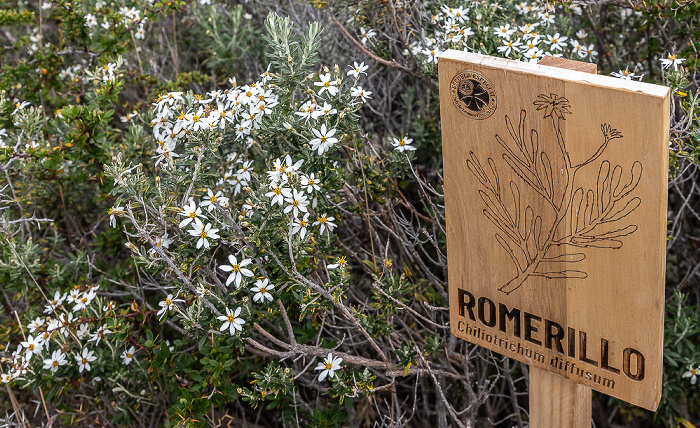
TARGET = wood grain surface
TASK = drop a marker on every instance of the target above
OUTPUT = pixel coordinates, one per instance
(558, 402)
(555, 196)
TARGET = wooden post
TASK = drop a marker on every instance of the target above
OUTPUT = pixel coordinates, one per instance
(558, 402)
(554, 400)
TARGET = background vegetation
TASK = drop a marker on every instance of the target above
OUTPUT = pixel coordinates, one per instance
(118, 119)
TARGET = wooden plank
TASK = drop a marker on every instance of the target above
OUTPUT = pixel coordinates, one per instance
(555, 199)
(557, 402)
(569, 64)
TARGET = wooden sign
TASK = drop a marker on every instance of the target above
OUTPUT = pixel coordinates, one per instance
(555, 198)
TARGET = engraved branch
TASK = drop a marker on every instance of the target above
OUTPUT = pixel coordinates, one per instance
(591, 220)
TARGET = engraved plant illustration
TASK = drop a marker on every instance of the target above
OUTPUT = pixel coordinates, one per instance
(594, 217)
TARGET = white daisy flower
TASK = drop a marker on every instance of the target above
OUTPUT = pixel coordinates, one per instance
(33, 345)
(231, 321)
(128, 355)
(212, 199)
(357, 69)
(54, 303)
(190, 212)
(262, 290)
(204, 233)
(85, 359)
(671, 60)
(504, 31)
(402, 144)
(297, 203)
(624, 75)
(341, 263)
(83, 331)
(326, 84)
(310, 183)
(325, 222)
(556, 41)
(167, 305)
(100, 334)
(692, 373)
(366, 34)
(238, 270)
(57, 359)
(328, 366)
(358, 92)
(299, 226)
(35, 324)
(113, 215)
(278, 194)
(324, 139)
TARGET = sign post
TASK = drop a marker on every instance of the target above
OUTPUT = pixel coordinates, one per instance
(555, 199)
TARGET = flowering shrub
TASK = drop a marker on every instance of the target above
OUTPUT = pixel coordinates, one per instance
(211, 210)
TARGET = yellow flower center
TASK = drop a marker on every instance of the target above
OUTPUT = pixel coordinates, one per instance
(84, 361)
(195, 118)
(230, 318)
(236, 268)
(328, 366)
(203, 234)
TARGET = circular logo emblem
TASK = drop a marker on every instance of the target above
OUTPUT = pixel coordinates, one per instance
(473, 94)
